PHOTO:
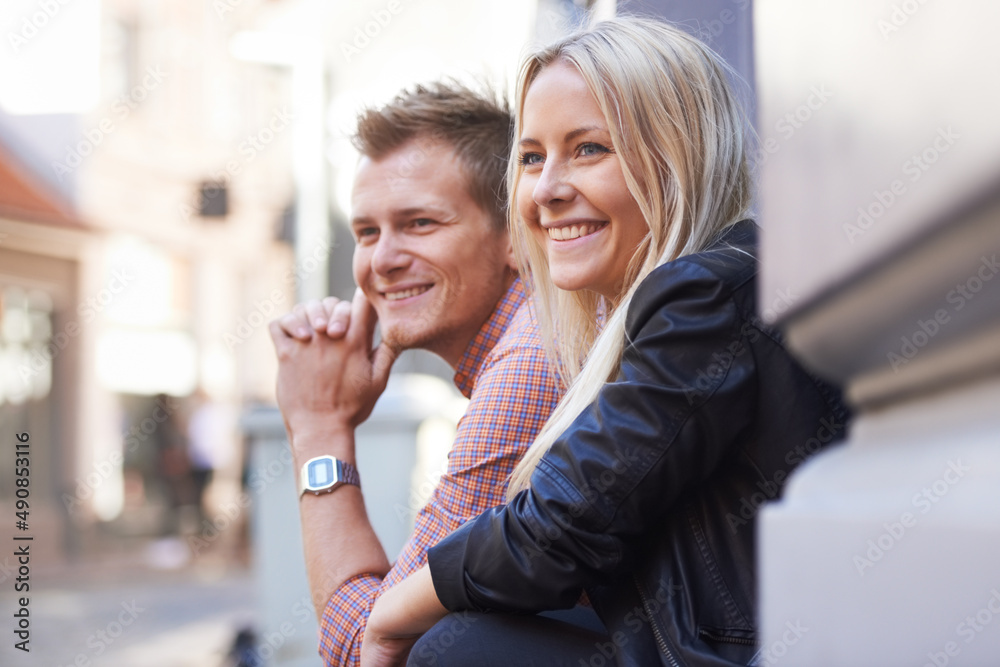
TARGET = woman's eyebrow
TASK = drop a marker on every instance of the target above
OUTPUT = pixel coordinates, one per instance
(572, 134)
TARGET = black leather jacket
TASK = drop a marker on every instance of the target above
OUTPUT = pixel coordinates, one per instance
(649, 500)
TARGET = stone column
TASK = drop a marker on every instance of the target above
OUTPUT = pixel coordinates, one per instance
(881, 217)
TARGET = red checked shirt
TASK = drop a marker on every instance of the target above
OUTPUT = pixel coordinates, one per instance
(511, 392)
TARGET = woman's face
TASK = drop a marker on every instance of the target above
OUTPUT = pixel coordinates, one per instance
(571, 191)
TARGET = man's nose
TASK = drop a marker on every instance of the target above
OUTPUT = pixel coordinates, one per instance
(390, 254)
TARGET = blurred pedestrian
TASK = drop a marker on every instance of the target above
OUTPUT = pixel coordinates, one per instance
(210, 446)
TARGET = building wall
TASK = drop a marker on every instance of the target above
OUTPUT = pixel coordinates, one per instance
(725, 25)
(41, 355)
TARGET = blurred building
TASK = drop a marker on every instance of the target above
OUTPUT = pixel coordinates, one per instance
(43, 249)
(177, 156)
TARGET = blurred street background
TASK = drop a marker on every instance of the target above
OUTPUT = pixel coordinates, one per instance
(176, 173)
(183, 618)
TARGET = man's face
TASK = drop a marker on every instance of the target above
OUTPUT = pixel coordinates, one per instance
(428, 258)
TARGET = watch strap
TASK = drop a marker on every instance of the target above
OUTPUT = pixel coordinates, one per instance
(348, 473)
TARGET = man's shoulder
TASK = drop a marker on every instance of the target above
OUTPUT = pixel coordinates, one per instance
(522, 332)
(518, 361)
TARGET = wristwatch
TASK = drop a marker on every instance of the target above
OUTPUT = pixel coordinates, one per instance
(323, 474)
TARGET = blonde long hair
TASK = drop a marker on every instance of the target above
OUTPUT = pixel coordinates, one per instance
(681, 136)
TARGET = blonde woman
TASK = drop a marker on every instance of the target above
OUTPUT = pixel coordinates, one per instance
(630, 192)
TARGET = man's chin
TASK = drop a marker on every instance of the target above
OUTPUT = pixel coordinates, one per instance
(399, 338)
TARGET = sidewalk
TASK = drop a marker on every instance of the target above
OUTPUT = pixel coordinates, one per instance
(127, 614)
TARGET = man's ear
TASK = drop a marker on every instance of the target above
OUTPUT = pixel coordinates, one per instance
(511, 259)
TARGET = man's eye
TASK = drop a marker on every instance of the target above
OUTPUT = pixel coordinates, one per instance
(526, 159)
(423, 222)
(366, 232)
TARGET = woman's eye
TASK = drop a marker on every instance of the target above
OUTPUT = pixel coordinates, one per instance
(592, 149)
(527, 159)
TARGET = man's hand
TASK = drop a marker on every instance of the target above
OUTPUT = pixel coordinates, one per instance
(400, 616)
(331, 315)
(327, 387)
(384, 652)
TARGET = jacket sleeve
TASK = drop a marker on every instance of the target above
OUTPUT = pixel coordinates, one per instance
(685, 391)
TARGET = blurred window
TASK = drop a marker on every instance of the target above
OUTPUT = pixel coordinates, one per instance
(27, 349)
(27, 346)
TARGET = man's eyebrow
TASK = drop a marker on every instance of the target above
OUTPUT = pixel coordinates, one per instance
(418, 210)
(407, 212)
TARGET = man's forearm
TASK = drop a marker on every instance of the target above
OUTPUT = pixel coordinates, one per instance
(338, 540)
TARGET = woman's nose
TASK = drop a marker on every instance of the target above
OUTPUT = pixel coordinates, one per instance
(553, 185)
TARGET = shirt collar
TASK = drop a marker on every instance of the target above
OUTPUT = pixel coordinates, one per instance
(467, 370)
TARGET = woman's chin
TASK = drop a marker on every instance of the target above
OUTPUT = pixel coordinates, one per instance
(570, 284)
(585, 291)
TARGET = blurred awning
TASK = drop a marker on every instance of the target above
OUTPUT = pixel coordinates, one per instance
(25, 197)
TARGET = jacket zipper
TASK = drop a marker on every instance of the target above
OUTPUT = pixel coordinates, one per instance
(660, 639)
(727, 640)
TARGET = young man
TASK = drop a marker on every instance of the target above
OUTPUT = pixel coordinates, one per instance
(435, 269)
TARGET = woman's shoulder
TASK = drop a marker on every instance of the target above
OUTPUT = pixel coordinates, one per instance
(727, 266)
(731, 257)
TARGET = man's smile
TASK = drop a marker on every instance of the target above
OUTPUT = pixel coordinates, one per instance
(405, 293)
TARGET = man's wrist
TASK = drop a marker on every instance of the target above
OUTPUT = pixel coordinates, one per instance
(336, 441)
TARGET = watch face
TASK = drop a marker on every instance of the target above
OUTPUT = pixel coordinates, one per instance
(320, 473)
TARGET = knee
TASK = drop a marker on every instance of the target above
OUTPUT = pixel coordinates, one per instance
(443, 644)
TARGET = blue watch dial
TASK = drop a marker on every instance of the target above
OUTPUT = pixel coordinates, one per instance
(320, 473)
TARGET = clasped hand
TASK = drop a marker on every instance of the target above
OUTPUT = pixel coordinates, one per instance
(329, 373)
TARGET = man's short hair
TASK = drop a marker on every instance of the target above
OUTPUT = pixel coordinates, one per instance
(477, 125)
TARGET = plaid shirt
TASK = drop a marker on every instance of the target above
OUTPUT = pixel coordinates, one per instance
(505, 375)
